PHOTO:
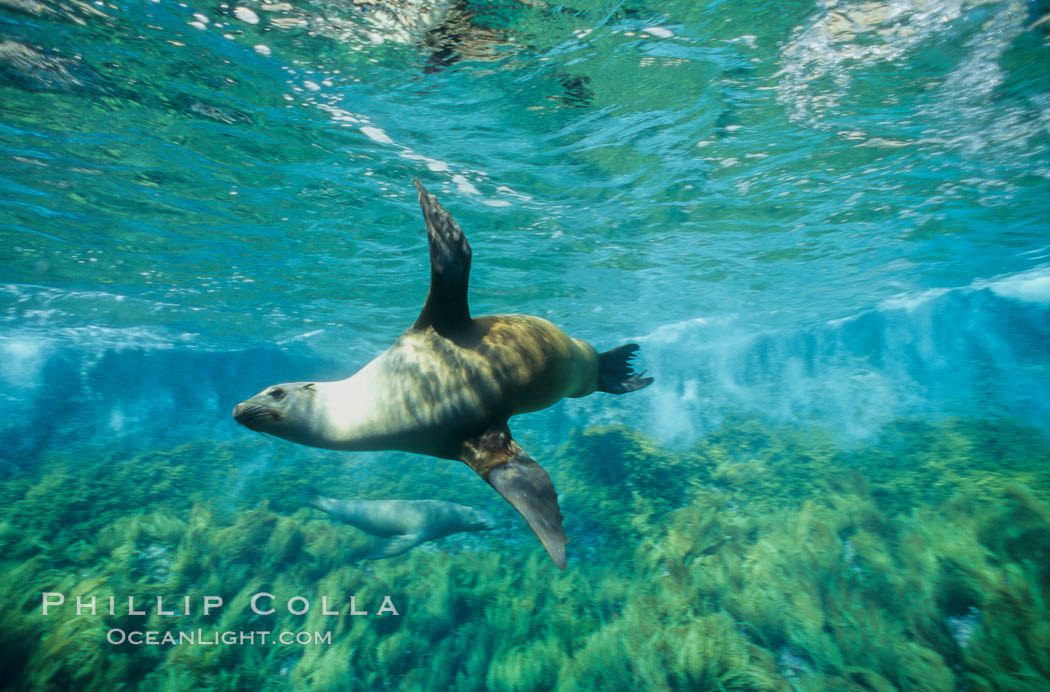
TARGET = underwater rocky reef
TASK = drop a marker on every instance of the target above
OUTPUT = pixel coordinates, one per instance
(761, 558)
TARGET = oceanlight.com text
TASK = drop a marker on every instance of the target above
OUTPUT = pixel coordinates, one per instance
(200, 637)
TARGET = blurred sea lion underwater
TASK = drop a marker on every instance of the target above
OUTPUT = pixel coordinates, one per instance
(403, 523)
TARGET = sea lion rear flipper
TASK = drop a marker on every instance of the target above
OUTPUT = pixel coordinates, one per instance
(616, 374)
(394, 546)
(497, 458)
(446, 307)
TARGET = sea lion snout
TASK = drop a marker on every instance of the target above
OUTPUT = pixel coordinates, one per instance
(277, 409)
(485, 521)
(251, 415)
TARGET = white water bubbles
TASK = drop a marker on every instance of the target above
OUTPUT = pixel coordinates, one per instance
(246, 15)
(972, 349)
(21, 360)
(658, 32)
(329, 86)
(819, 63)
(1032, 286)
(969, 113)
(465, 181)
(376, 135)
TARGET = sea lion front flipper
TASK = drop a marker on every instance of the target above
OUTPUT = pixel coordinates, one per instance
(446, 307)
(396, 545)
(496, 457)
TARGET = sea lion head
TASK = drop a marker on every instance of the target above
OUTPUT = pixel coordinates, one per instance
(482, 521)
(284, 410)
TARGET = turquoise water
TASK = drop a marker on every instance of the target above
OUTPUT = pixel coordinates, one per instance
(819, 217)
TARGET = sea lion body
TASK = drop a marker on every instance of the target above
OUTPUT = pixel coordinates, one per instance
(427, 393)
(403, 524)
(448, 385)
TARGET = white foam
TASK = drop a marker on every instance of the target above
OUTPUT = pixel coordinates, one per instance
(911, 358)
(667, 333)
(245, 15)
(300, 337)
(376, 135)
(464, 185)
(21, 359)
(912, 301)
(433, 165)
(658, 32)
(817, 63)
(1031, 286)
(508, 191)
(339, 115)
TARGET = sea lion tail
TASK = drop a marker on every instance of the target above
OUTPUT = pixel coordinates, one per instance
(616, 374)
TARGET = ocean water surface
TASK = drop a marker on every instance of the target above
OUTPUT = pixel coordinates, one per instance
(826, 223)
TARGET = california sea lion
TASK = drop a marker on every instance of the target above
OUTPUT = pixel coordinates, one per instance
(404, 523)
(448, 385)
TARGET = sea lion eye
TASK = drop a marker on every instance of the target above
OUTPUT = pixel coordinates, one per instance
(277, 394)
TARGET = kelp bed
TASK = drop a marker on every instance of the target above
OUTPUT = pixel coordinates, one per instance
(762, 558)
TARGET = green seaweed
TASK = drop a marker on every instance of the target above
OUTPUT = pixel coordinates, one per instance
(761, 558)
